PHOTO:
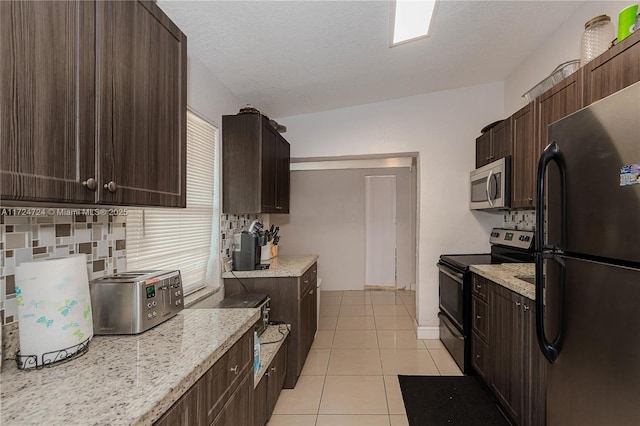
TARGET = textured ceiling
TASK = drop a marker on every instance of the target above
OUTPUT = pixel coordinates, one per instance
(294, 57)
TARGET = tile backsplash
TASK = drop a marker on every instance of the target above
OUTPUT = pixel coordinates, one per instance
(25, 238)
(231, 224)
(524, 220)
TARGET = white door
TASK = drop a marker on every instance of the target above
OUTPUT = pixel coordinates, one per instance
(380, 231)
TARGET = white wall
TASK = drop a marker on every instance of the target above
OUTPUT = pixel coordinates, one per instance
(442, 128)
(326, 217)
(206, 95)
(561, 46)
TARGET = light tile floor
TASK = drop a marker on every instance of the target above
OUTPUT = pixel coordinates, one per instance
(365, 339)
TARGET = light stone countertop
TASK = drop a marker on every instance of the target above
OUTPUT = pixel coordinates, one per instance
(271, 340)
(281, 267)
(124, 380)
(505, 275)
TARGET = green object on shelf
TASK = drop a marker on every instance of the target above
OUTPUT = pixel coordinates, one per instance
(627, 21)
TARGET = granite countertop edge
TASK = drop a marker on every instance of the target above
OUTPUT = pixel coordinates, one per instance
(283, 266)
(102, 361)
(190, 379)
(506, 277)
(269, 350)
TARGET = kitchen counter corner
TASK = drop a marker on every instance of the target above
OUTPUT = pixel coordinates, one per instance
(281, 267)
(505, 275)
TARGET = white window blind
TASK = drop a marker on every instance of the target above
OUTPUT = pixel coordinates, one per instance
(182, 238)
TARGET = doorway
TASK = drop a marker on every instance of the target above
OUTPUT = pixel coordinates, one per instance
(380, 232)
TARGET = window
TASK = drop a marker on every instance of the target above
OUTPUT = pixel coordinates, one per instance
(184, 239)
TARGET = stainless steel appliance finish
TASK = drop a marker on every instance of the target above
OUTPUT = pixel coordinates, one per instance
(133, 302)
(588, 264)
(250, 300)
(491, 186)
(507, 246)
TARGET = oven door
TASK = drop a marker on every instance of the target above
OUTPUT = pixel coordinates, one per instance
(451, 283)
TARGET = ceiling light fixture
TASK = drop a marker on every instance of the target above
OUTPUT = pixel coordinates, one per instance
(411, 20)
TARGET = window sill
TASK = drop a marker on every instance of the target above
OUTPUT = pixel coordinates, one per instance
(199, 295)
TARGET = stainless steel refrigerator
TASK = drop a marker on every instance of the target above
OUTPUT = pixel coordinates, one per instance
(588, 263)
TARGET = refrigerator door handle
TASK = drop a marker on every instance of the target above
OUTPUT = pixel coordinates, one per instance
(552, 152)
(551, 350)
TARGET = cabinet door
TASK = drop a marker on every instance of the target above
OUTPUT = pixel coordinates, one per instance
(269, 168)
(47, 107)
(260, 405)
(185, 412)
(501, 140)
(525, 157)
(506, 350)
(141, 83)
(282, 174)
(483, 149)
(614, 70)
(535, 378)
(561, 100)
(277, 372)
(238, 411)
(305, 329)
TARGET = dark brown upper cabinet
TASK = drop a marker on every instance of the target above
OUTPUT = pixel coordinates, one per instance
(525, 157)
(494, 144)
(255, 166)
(96, 104)
(561, 100)
(47, 107)
(614, 70)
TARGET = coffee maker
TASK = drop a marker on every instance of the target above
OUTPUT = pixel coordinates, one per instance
(246, 251)
(247, 248)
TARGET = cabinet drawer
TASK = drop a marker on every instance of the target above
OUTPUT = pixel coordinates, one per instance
(224, 377)
(479, 356)
(480, 287)
(308, 279)
(479, 318)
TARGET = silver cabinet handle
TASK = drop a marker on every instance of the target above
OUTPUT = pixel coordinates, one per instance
(306, 281)
(478, 356)
(234, 370)
(526, 308)
(279, 207)
(91, 184)
(478, 286)
(518, 303)
(111, 186)
(311, 292)
(478, 316)
(273, 369)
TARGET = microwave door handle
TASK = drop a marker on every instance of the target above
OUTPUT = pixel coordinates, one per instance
(487, 188)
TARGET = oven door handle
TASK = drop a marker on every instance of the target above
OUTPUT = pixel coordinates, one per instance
(453, 275)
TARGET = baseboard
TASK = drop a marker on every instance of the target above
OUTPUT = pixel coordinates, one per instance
(428, 332)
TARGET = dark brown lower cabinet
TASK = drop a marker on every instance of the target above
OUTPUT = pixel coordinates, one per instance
(185, 411)
(266, 394)
(507, 357)
(238, 410)
(222, 396)
(294, 301)
(507, 352)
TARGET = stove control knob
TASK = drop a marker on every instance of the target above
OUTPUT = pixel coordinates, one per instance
(149, 305)
(149, 315)
(154, 303)
(155, 313)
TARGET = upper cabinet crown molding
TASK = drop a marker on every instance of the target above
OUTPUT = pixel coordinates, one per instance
(96, 104)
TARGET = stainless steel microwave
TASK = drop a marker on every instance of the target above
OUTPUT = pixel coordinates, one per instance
(491, 186)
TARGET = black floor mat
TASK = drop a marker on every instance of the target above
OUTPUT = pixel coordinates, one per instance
(448, 401)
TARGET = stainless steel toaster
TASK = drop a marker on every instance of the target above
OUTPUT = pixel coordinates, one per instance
(133, 302)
